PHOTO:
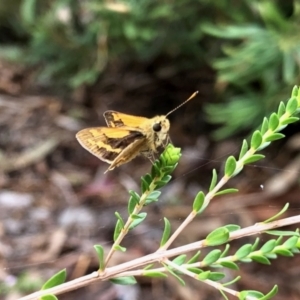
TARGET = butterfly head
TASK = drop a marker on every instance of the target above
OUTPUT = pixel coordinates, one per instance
(160, 126)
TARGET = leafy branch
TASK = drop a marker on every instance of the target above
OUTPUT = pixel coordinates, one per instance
(195, 267)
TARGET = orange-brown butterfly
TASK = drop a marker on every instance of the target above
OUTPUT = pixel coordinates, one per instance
(126, 137)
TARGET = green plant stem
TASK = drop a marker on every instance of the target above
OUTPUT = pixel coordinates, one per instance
(193, 214)
(129, 221)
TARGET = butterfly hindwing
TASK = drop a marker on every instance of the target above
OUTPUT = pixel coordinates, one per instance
(127, 154)
(107, 143)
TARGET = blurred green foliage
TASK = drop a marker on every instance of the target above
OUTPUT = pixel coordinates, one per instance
(75, 40)
(253, 45)
(261, 61)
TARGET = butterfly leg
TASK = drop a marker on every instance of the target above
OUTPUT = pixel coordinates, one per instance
(167, 141)
(150, 155)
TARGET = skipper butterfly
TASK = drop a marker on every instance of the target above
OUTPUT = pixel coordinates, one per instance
(127, 136)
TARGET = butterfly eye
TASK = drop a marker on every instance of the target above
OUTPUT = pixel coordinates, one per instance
(157, 127)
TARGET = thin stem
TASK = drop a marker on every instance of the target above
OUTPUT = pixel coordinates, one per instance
(214, 284)
(193, 214)
(129, 221)
(172, 238)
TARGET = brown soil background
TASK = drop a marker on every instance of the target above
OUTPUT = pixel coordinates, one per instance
(55, 202)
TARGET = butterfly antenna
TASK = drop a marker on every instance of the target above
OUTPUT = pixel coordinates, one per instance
(193, 96)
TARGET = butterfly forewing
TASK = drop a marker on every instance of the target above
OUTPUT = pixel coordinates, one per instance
(117, 119)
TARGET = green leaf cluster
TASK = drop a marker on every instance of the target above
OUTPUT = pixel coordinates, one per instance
(220, 259)
(261, 59)
(150, 183)
(260, 139)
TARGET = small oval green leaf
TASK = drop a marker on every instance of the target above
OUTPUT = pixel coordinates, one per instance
(153, 197)
(226, 250)
(274, 137)
(195, 258)
(180, 280)
(292, 105)
(230, 166)
(166, 233)
(217, 237)
(159, 184)
(250, 295)
(144, 185)
(168, 169)
(230, 265)
(289, 120)
(271, 255)
(119, 218)
(291, 242)
(232, 227)
(244, 149)
(203, 275)
(55, 280)
(119, 248)
(213, 180)
(126, 280)
(179, 260)
(163, 181)
(284, 252)
(282, 233)
(273, 122)
(148, 178)
(256, 139)
(135, 195)
(253, 158)
(131, 206)
(263, 146)
(268, 246)
(281, 109)
(155, 274)
(137, 219)
(295, 91)
(227, 191)
(118, 229)
(48, 297)
(255, 244)
(244, 251)
(216, 276)
(198, 202)
(195, 270)
(264, 126)
(271, 294)
(212, 257)
(100, 253)
(166, 178)
(246, 260)
(260, 259)
(155, 170)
